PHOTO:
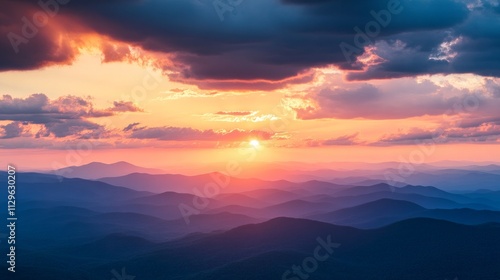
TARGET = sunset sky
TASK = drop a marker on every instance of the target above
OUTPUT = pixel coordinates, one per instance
(192, 81)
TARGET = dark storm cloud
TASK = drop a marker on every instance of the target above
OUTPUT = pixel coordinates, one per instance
(267, 40)
(479, 52)
(474, 48)
(287, 39)
(25, 45)
(400, 61)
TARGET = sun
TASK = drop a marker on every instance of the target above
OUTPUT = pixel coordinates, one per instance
(255, 143)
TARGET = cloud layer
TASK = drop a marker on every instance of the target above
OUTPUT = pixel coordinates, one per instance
(267, 42)
(61, 117)
(190, 134)
(71, 118)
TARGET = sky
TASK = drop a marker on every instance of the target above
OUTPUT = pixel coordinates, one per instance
(161, 83)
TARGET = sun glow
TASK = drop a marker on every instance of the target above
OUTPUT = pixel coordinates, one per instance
(254, 143)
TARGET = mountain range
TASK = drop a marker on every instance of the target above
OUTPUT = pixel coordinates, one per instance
(137, 223)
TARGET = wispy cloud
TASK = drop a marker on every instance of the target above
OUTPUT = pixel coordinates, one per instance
(244, 116)
(168, 133)
(186, 93)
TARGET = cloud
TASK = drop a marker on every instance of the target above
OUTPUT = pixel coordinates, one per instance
(71, 127)
(479, 121)
(468, 47)
(26, 46)
(16, 106)
(370, 102)
(132, 126)
(342, 140)
(175, 94)
(191, 134)
(242, 113)
(483, 133)
(399, 60)
(244, 116)
(11, 130)
(493, 87)
(289, 38)
(61, 117)
(115, 52)
(401, 98)
(411, 138)
(123, 106)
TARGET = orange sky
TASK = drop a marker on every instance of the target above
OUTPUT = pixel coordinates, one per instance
(131, 101)
(298, 127)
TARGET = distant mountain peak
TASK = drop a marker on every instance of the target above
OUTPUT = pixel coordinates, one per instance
(96, 170)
